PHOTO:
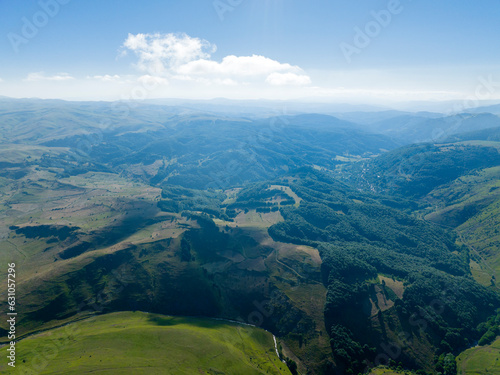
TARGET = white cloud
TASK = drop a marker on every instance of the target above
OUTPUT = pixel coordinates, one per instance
(243, 66)
(152, 81)
(106, 78)
(40, 76)
(184, 58)
(1, 80)
(283, 79)
(159, 53)
(225, 82)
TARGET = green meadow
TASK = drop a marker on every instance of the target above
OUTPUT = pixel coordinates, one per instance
(480, 360)
(143, 343)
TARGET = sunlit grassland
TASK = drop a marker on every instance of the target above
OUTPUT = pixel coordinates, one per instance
(386, 371)
(473, 202)
(480, 360)
(142, 343)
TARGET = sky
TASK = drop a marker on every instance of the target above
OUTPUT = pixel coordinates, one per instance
(321, 50)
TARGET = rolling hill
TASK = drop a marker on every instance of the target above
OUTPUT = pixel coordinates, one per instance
(354, 253)
(142, 343)
(417, 128)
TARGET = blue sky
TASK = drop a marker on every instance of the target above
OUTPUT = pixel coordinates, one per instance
(339, 50)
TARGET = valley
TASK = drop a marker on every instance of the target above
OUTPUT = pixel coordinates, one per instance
(355, 249)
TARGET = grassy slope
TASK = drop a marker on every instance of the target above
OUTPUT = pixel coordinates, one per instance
(96, 201)
(480, 360)
(386, 371)
(141, 343)
(472, 202)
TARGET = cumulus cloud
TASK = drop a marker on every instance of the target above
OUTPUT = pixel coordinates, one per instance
(40, 76)
(158, 53)
(283, 79)
(182, 57)
(244, 66)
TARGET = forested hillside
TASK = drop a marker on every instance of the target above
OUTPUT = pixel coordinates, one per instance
(353, 252)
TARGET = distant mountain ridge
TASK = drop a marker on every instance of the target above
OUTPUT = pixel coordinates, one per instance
(416, 129)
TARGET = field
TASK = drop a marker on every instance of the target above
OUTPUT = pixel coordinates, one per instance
(480, 360)
(142, 343)
(385, 371)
